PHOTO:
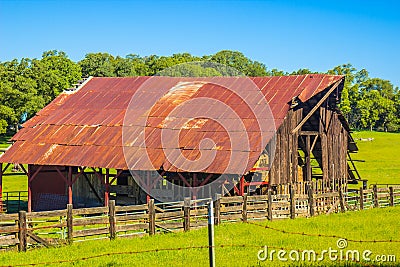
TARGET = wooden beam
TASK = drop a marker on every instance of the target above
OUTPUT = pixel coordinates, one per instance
(69, 185)
(308, 158)
(316, 106)
(308, 133)
(314, 142)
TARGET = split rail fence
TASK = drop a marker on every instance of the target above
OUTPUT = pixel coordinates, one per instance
(51, 228)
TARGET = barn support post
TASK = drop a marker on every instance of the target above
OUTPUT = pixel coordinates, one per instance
(308, 157)
(148, 199)
(107, 187)
(69, 185)
(29, 174)
(241, 188)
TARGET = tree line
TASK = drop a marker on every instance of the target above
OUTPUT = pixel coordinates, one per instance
(27, 85)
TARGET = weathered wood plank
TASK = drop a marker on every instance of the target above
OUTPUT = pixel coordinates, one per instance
(170, 214)
(231, 217)
(263, 206)
(256, 198)
(9, 242)
(90, 221)
(8, 229)
(133, 217)
(231, 208)
(235, 199)
(131, 227)
(91, 232)
(171, 225)
(41, 214)
(142, 207)
(88, 211)
(8, 217)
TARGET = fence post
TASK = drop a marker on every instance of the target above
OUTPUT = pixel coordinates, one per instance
(217, 209)
(70, 224)
(310, 192)
(152, 217)
(186, 214)
(341, 200)
(376, 201)
(292, 202)
(244, 208)
(391, 196)
(111, 216)
(361, 198)
(22, 230)
(211, 244)
(270, 204)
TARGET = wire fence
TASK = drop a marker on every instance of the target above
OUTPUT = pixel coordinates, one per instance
(110, 222)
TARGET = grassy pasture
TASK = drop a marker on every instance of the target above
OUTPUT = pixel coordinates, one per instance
(374, 224)
(381, 155)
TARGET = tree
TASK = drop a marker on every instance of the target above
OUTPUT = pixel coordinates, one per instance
(18, 92)
(54, 72)
(98, 65)
(382, 96)
(238, 61)
(302, 72)
(350, 94)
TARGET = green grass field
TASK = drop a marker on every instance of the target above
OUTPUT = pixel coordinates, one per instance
(381, 163)
(381, 166)
(374, 224)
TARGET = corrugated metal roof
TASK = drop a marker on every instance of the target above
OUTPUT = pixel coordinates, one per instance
(169, 122)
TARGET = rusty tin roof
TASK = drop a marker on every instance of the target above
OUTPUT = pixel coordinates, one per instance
(177, 124)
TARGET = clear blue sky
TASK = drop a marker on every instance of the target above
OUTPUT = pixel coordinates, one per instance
(286, 35)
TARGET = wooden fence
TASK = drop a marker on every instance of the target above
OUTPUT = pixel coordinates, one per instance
(51, 228)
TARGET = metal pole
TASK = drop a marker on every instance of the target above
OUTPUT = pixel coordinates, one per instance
(211, 245)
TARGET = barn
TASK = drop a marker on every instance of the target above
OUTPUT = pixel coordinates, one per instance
(133, 138)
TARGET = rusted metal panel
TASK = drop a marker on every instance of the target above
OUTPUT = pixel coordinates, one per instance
(85, 128)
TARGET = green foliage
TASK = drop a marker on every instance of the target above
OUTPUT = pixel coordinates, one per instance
(29, 84)
(368, 103)
(54, 73)
(237, 61)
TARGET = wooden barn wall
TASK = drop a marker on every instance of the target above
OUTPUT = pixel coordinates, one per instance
(334, 140)
(88, 191)
(284, 167)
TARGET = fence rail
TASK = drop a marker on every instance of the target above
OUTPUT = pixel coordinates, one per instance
(51, 228)
(14, 201)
